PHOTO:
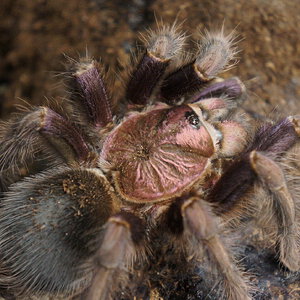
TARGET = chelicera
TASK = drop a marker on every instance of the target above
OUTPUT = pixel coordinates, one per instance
(91, 190)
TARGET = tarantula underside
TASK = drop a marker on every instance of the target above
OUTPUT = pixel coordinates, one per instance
(95, 197)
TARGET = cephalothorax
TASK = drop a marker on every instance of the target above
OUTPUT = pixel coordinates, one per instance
(159, 154)
(91, 192)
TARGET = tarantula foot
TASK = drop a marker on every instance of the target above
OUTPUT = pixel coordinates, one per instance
(295, 120)
(272, 176)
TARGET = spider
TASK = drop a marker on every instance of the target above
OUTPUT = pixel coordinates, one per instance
(93, 193)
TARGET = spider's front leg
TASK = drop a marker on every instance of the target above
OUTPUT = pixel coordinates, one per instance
(259, 164)
(161, 47)
(197, 221)
(216, 51)
(272, 177)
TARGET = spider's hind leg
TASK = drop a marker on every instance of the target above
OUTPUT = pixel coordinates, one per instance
(195, 219)
(123, 234)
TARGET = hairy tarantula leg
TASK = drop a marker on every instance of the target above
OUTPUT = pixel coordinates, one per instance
(232, 88)
(215, 53)
(89, 90)
(161, 47)
(276, 139)
(236, 181)
(24, 138)
(123, 232)
(199, 221)
(295, 120)
(63, 136)
(271, 176)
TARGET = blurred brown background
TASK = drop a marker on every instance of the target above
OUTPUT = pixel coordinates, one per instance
(34, 35)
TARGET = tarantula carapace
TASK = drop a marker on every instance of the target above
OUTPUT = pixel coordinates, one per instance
(91, 192)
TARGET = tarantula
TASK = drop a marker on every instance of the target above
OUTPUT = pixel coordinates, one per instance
(91, 191)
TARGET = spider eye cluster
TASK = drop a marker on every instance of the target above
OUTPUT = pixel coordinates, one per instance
(193, 119)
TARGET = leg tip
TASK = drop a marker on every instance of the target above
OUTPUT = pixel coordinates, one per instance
(254, 156)
(295, 120)
(268, 171)
(289, 253)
